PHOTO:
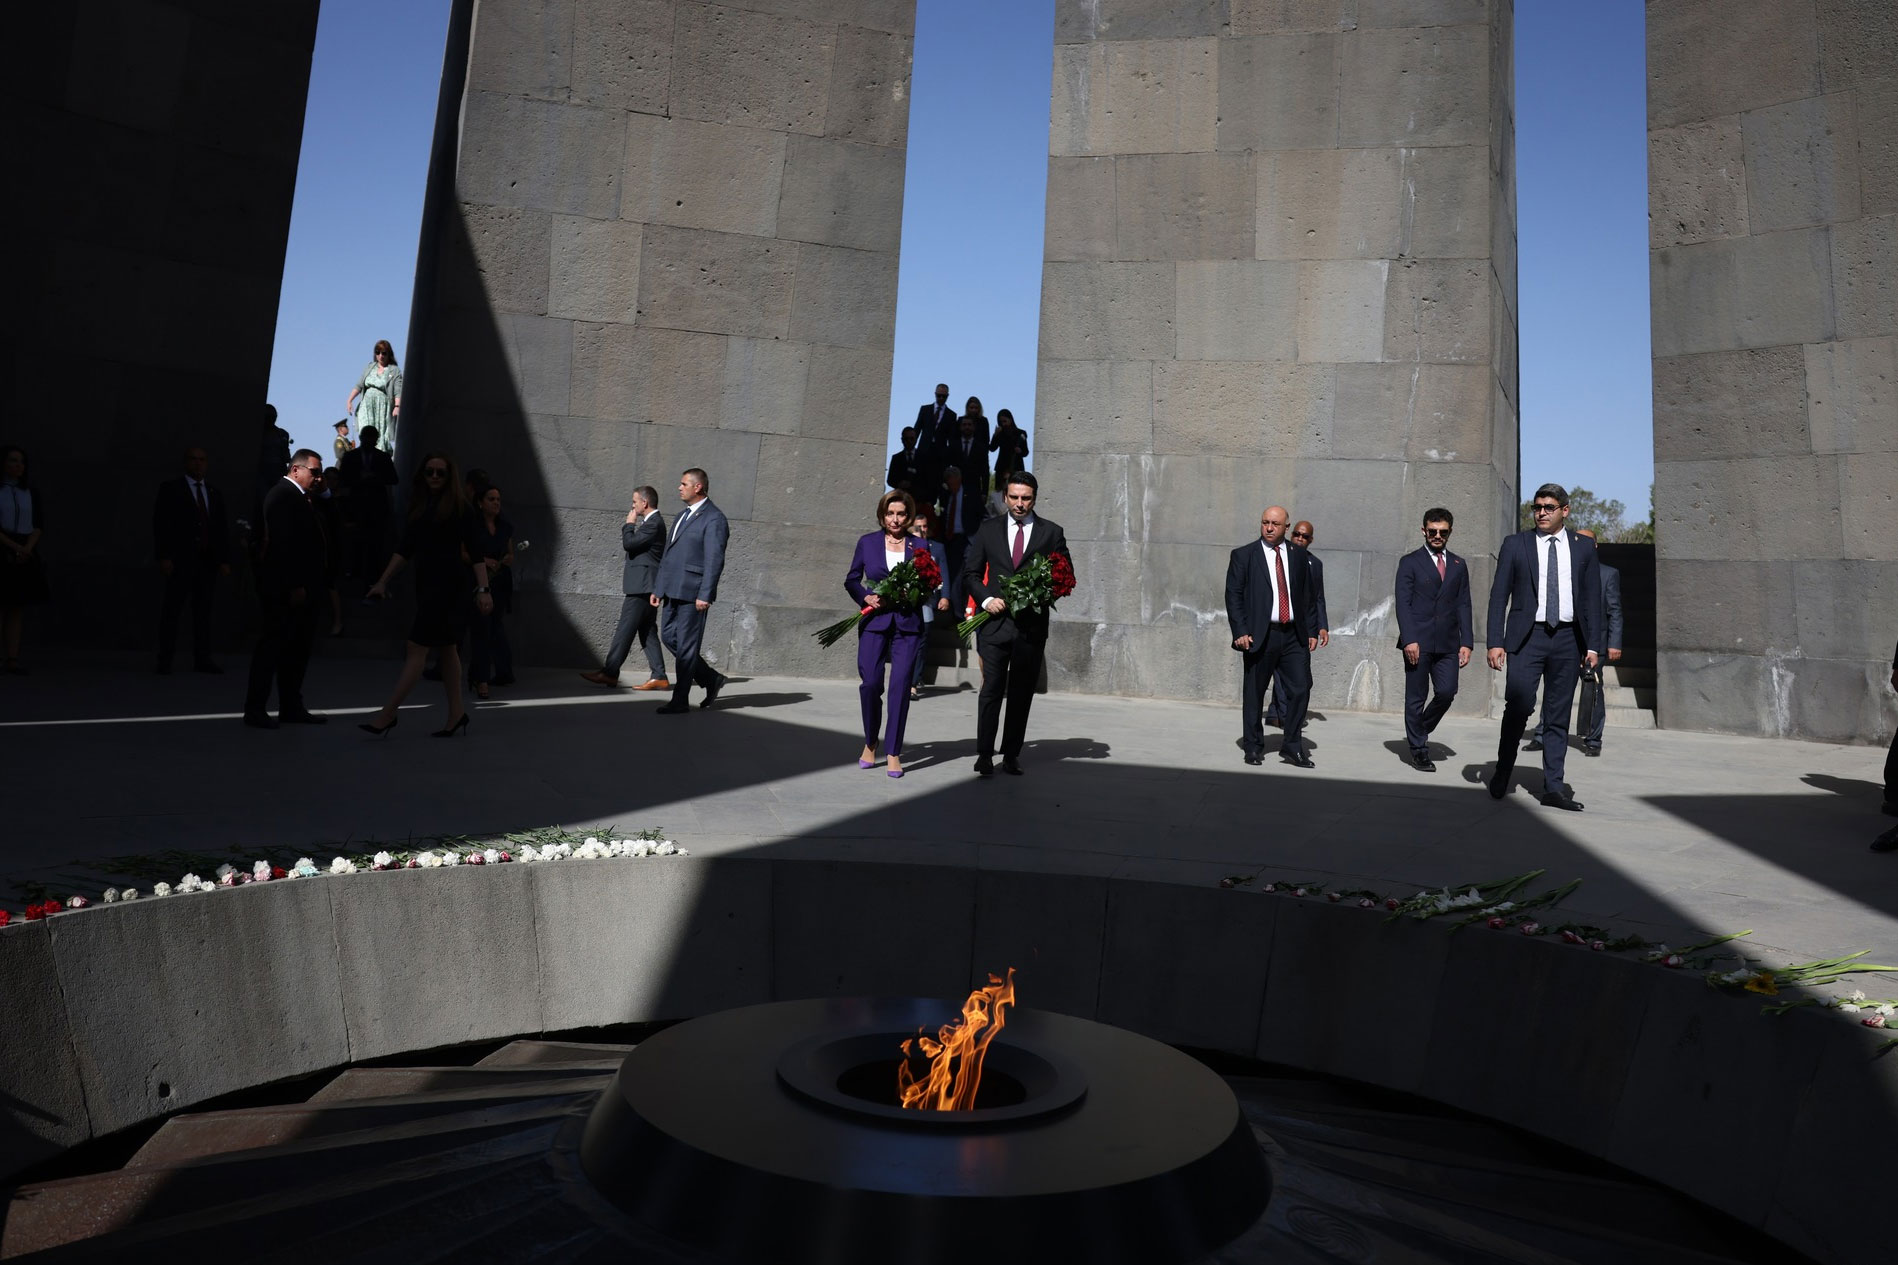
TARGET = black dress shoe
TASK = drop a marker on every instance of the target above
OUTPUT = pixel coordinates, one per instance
(1296, 757)
(205, 666)
(1889, 808)
(1421, 761)
(1009, 766)
(711, 692)
(301, 718)
(984, 766)
(1887, 842)
(674, 709)
(1534, 744)
(1562, 800)
(1254, 757)
(258, 720)
(1590, 751)
(1499, 782)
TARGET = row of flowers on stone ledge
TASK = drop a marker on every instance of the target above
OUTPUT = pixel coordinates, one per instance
(1502, 905)
(647, 843)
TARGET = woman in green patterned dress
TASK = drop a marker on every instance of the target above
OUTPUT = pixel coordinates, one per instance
(381, 390)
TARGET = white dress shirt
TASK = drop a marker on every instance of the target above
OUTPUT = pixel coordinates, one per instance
(679, 525)
(1565, 586)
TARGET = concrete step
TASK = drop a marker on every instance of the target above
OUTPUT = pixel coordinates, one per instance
(385, 1082)
(567, 1053)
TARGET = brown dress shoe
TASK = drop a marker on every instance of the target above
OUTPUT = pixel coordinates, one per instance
(657, 683)
(599, 678)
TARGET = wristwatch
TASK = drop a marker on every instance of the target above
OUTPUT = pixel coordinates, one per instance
(482, 589)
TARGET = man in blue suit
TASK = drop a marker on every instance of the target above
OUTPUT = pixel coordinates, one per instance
(1434, 631)
(1597, 699)
(687, 587)
(1545, 625)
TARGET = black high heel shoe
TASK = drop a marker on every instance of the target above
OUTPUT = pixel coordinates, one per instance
(378, 732)
(453, 729)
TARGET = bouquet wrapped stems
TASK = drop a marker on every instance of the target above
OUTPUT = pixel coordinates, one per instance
(907, 587)
(1043, 581)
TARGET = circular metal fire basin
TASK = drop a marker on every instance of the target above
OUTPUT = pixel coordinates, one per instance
(756, 1135)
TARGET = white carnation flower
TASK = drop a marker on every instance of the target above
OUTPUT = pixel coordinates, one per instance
(591, 842)
(225, 870)
(492, 856)
(451, 858)
(1885, 1010)
(1850, 1009)
(161, 889)
(666, 848)
(1857, 994)
(130, 893)
(641, 849)
(382, 860)
(110, 896)
(428, 861)
(529, 853)
(190, 883)
(261, 869)
(342, 865)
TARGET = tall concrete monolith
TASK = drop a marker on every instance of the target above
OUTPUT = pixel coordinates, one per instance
(1773, 195)
(672, 242)
(1280, 269)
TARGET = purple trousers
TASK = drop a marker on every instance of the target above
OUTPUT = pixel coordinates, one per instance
(899, 650)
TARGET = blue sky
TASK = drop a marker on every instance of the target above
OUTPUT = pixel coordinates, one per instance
(969, 289)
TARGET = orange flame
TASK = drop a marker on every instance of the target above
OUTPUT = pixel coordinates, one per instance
(955, 1056)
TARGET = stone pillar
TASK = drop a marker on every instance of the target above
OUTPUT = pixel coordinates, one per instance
(1280, 269)
(674, 243)
(154, 151)
(1773, 195)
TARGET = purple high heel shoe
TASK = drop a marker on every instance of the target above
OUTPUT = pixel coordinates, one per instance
(866, 764)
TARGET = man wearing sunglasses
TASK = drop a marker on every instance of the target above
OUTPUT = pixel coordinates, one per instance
(1434, 631)
(1544, 626)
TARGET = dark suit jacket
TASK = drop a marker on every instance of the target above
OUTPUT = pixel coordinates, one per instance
(975, 466)
(1431, 612)
(644, 543)
(929, 435)
(368, 474)
(1612, 622)
(973, 509)
(868, 568)
(1249, 595)
(990, 561)
(1315, 568)
(293, 554)
(1515, 590)
(695, 555)
(905, 463)
(175, 524)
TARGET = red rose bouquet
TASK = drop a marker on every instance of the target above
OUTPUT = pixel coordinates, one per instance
(1043, 581)
(906, 587)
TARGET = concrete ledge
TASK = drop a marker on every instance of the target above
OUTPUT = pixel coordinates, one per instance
(128, 1012)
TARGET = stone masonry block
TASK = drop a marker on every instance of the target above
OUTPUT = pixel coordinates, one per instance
(667, 376)
(1204, 500)
(1865, 276)
(583, 463)
(1415, 412)
(1415, 87)
(728, 457)
(1842, 608)
(594, 270)
(869, 87)
(1746, 292)
(1821, 1165)
(1712, 57)
(723, 283)
(898, 17)
(622, 53)
(1107, 311)
(1858, 41)
(540, 155)
(1237, 309)
(763, 385)
(758, 69)
(1341, 310)
(1268, 17)
(845, 297)
(834, 925)
(1696, 182)
(1331, 204)
(1186, 965)
(703, 175)
(539, 353)
(1081, 214)
(1851, 395)
(1725, 606)
(45, 1109)
(1183, 206)
(775, 568)
(841, 193)
(1438, 311)
(1102, 495)
(847, 394)
(824, 482)
(1764, 508)
(1877, 117)
(1801, 163)
(1448, 200)
(1373, 13)
(1355, 504)
(158, 1039)
(524, 49)
(498, 259)
(1278, 92)
(1239, 408)
(681, 937)
(1139, 20)
(1095, 406)
(1051, 927)
(1725, 403)
(1135, 97)
(1868, 504)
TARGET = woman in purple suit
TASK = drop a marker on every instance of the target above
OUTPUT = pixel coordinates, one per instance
(887, 637)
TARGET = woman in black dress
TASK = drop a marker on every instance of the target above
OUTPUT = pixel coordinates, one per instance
(22, 574)
(493, 542)
(439, 540)
(1010, 446)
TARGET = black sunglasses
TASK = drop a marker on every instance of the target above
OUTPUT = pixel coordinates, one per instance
(1436, 531)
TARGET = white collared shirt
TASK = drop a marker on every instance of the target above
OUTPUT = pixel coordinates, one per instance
(1276, 557)
(1565, 596)
(1027, 529)
(685, 514)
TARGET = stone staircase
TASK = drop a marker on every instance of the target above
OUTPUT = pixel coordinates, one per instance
(1629, 685)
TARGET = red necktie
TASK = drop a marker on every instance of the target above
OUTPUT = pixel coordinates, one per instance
(1020, 539)
(1440, 568)
(1285, 596)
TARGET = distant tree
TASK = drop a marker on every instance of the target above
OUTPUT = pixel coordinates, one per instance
(1639, 533)
(1585, 509)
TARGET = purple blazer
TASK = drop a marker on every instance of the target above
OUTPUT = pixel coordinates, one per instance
(867, 570)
